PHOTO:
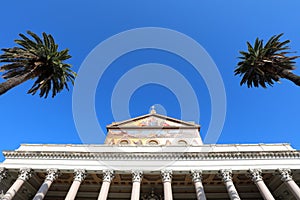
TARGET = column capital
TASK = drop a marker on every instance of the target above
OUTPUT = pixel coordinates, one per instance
(25, 174)
(137, 175)
(166, 175)
(3, 173)
(52, 174)
(108, 175)
(225, 174)
(79, 174)
(286, 174)
(255, 175)
(196, 175)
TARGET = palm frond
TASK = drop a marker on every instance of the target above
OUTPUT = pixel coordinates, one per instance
(262, 64)
(41, 58)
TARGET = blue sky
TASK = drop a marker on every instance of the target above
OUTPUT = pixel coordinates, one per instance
(221, 27)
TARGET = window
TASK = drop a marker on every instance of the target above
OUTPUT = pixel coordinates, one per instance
(182, 142)
(124, 142)
(153, 142)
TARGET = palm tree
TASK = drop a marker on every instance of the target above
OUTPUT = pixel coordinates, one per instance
(266, 64)
(36, 58)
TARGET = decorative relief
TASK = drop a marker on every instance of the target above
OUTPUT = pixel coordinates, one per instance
(166, 175)
(286, 174)
(226, 175)
(142, 156)
(196, 175)
(52, 174)
(137, 175)
(3, 173)
(255, 175)
(79, 174)
(108, 175)
(25, 174)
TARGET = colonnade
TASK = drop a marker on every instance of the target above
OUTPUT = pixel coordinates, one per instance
(137, 175)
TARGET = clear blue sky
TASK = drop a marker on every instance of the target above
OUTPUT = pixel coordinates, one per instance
(221, 27)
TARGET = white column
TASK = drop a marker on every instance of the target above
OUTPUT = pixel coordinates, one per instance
(3, 173)
(51, 176)
(24, 175)
(287, 178)
(167, 179)
(197, 179)
(136, 184)
(108, 175)
(255, 175)
(226, 175)
(79, 176)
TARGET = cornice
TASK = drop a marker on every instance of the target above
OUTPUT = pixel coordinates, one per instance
(153, 155)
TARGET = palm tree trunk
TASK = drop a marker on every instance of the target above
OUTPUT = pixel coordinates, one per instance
(12, 82)
(290, 76)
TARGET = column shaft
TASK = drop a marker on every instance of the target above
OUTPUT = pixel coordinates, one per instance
(13, 189)
(135, 193)
(79, 176)
(264, 191)
(286, 176)
(199, 191)
(136, 184)
(293, 187)
(167, 179)
(73, 190)
(168, 191)
(107, 178)
(226, 175)
(104, 191)
(255, 175)
(43, 190)
(233, 194)
(24, 175)
(197, 179)
(51, 176)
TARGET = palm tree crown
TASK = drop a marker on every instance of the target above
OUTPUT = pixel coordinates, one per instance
(266, 64)
(36, 58)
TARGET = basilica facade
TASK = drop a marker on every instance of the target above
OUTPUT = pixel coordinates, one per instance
(151, 157)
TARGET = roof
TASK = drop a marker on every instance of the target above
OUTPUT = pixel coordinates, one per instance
(153, 120)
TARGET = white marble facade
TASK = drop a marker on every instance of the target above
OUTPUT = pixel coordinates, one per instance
(190, 170)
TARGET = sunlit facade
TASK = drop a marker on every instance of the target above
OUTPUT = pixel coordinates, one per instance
(151, 157)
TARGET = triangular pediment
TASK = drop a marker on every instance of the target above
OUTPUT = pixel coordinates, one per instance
(153, 129)
(152, 121)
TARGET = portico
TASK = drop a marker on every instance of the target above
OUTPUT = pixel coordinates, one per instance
(151, 157)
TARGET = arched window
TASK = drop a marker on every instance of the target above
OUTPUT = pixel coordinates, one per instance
(153, 142)
(124, 142)
(182, 142)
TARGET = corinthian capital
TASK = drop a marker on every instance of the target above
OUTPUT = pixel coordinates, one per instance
(196, 175)
(3, 173)
(137, 175)
(286, 174)
(255, 175)
(52, 174)
(166, 175)
(25, 174)
(108, 175)
(79, 174)
(226, 175)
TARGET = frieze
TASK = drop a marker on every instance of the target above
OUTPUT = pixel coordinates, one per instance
(152, 155)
